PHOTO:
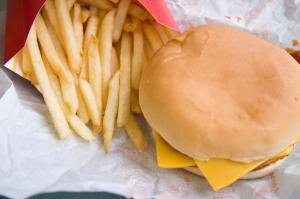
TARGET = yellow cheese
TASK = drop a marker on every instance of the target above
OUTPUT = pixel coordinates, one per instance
(168, 157)
(218, 172)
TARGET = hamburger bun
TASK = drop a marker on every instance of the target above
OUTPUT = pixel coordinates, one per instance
(218, 92)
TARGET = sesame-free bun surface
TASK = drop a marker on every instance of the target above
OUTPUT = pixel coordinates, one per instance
(218, 92)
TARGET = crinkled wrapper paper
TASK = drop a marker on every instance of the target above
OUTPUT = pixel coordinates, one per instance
(33, 160)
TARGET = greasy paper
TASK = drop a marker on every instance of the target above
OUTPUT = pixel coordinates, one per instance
(33, 160)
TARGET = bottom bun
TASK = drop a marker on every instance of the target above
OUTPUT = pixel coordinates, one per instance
(252, 175)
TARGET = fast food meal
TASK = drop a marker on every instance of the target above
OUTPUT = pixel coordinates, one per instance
(86, 57)
(223, 104)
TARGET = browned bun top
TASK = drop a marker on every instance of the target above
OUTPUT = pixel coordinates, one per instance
(218, 92)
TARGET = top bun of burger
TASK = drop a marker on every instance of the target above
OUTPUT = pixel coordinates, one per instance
(218, 92)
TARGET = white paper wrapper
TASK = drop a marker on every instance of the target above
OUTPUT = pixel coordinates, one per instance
(33, 160)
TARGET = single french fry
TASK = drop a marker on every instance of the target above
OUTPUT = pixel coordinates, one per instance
(83, 72)
(137, 22)
(162, 33)
(170, 33)
(137, 57)
(114, 63)
(80, 128)
(138, 12)
(85, 14)
(101, 4)
(105, 50)
(69, 94)
(94, 68)
(70, 4)
(145, 59)
(68, 35)
(118, 48)
(50, 12)
(148, 49)
(51, 101)
(26, 62)
(91, 29)
(47, 46)
(111, 110)
(135, 105)
(77, 25)
(129, 26)
(101, 16)
(82, 110)
(135, 133)
(120, 19)
(125, 63)
(58, 46)
(27, 66)
(152, 36)
(90, 101)
(76, 124)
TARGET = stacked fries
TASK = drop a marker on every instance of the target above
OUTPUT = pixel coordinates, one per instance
(86, 57)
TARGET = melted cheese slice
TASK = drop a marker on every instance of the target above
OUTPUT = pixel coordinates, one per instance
(168, 157)
(218, 172)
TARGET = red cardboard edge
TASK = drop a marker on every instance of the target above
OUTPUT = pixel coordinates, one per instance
(21, 14)
(19, 18)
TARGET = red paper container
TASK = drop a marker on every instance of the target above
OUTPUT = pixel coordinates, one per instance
(21, 14)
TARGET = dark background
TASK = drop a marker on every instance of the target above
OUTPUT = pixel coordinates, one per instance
(58, 195)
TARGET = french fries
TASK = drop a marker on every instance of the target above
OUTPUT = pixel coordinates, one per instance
(77, 25)
(47, 45)
(125, 64)
(111, 110)
(91, 29)
(52, 103)
(148, 49)
(138, 12)
(90, 102)
(70, 95)
(58, 46)
(82, 110)
(94, 68)
(27, 65)
(137, 58)
(85, 14)
(135, 133)
(164, 36)
(120, 19)
(66, 79)
(129, 26)
(107, 27)
(76, 124)
(101, 4)
(70, 4)
(87, 57)
(114, 62)
(68, 35)
(152, 36)
(135, 104)
(50, 12)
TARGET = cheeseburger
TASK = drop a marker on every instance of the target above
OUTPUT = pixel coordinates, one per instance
(223, 104)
